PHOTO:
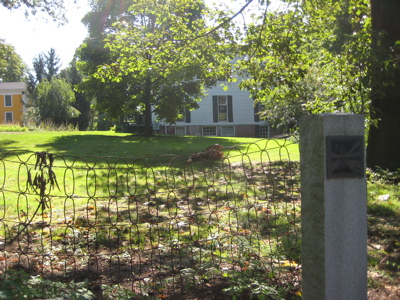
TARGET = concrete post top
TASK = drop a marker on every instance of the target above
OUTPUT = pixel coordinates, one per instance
(334, 123)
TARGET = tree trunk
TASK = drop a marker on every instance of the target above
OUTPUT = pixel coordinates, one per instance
(383, 148)
(147, 111)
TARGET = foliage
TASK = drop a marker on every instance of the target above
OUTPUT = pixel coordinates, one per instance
(383, 230)
(54, 8)
(161, 56)
(17, 284)
(308, 59)
(197, 234)
(93, 53)
(387, 176)
(12, 128)
(12, 68)
(117, 293)
(54, 101)
(82, 101)
(45, 66)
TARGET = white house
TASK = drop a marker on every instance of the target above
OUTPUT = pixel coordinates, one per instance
(223, 112)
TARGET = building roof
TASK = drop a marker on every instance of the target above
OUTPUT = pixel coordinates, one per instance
(12, 86)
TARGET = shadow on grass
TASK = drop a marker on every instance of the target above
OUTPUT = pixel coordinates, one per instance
(131, 146)
(384, 237)
(7, 147)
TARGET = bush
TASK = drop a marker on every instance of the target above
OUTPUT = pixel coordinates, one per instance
(12, 128)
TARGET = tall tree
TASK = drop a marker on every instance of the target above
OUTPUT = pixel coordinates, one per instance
(383, 141)
(82, 101)
(308, 59)
(167, 54)
(12, 68)
(52, 64)
(93, 53)
(52, 97)
(45, 66)
(54, 101)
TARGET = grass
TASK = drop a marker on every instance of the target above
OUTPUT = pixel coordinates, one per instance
(384, 234)
(238, 195)
(120, 192)
(98, 143)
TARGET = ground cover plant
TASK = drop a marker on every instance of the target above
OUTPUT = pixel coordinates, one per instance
(161, 225)
(383, 234)
(168, 225)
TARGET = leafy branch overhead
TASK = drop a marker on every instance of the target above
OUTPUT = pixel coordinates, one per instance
(296, 58)
(165, 57)
(55, 9)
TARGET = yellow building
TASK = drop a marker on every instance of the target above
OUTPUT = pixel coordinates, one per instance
(12, 101)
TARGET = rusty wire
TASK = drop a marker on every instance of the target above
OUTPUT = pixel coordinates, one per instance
(152, 224)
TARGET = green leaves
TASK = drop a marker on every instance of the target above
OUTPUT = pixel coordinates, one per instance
(313, 57)
(162, 55)
(54, 101)
(12, 68)
(54, 8)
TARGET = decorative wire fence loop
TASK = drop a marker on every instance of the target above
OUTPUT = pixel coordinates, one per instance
(165, 225)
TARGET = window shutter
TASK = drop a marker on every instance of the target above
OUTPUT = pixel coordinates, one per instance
(257, 130)
(256, 115)
(230, 109)
(188, 116)
(215, 109)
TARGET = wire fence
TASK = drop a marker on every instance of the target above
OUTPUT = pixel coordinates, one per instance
(225, 221)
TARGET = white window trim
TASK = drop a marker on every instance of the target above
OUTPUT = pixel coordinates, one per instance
(202, 130)
(266, 133)
(230, 126)
(226, 108)
(5, 117)
(5, 101)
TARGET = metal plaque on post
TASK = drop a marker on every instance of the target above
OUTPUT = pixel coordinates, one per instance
(345, 157)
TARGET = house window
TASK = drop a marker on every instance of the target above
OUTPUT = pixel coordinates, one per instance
(227, 131)
(264, 131)
(222, 109)
(209, 130)
(7, 101)
(9, 117)
(180, 130)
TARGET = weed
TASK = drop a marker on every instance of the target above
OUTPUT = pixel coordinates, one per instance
(18, 284)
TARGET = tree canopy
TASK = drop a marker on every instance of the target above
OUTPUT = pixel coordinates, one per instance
(309, 57)
(52, 96)
(329, 56)
(82, 102)
(54, 101)
(12, 68)
(159, 54)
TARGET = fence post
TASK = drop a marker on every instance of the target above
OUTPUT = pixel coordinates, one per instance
(334, 208)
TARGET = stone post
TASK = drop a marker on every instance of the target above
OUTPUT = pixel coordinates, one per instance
(334, 208)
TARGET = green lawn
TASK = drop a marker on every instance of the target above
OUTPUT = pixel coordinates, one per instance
(101, 143)
(115, 188)
(86, 148)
